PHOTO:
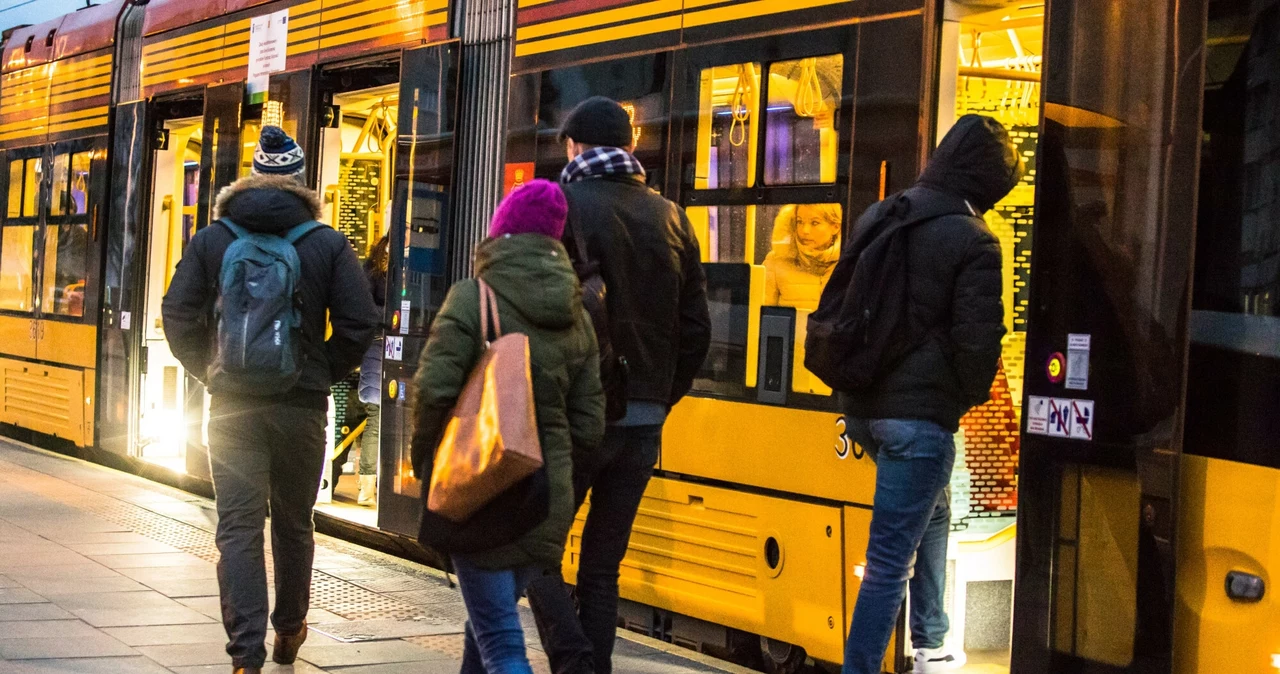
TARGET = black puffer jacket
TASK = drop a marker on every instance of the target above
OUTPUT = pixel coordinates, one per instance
(657, 292)
(332, 281)
(954, 281)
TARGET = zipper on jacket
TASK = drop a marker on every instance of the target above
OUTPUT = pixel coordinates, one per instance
(244, 344)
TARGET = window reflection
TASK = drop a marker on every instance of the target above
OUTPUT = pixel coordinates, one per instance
(31, 188)
(58, 190)
(66, 264)
(15, 188)
(16, 249)
(801, 142)
(79, 193)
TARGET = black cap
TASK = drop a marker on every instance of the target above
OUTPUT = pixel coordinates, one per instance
(598, 121)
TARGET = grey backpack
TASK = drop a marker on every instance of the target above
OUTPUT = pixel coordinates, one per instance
(258, 313)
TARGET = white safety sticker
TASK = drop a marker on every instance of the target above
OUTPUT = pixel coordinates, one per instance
(1082, 419)
(1038, 415)
(126, 319)
(1078, 362)
(394, 349)
(405, 306)
(1060, 418)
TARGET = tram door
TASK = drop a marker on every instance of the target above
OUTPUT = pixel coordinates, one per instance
(1106, 344)
(417, 268)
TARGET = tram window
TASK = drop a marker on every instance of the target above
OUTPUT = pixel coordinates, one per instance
(728, 107)
(638, 83)
(15, 188)
(66, 251)
(58, 189)
(79, 193)
(803, 248)
(17, 248)
(801, 141)
(729, 299)
(249, 142)
(1233, 371)
(24, 187)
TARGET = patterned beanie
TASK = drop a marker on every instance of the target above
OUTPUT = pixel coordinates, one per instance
(277, 154)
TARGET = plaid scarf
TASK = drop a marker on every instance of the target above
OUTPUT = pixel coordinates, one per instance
(599, 162)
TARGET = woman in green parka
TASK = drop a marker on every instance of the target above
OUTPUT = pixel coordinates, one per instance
(539, 296)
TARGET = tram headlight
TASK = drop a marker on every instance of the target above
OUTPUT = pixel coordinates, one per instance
(1275, 660)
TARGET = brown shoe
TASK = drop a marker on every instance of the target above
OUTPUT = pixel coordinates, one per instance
(286, 647)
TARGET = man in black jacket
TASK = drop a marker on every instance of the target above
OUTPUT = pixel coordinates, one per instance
(907, 418)
(270, 448)
(659, 322)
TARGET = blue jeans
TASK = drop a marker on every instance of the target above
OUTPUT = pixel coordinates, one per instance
(911, 518)
(494, 637)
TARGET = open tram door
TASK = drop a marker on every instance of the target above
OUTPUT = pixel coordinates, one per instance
(418, 267)
(1107, 341)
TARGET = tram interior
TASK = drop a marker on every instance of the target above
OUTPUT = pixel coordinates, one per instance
(355, 164)
(176, 190)
(992, 66)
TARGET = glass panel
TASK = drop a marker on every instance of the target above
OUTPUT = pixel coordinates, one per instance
(801, 141)
(15, 188)
(803, 248)
(58, 188)
(728, 106)
(248, 142)
(1234, 368)
(66, 264)
(355, 169)
(16, 254)
(729, 298)
(637, 83)
(31, 188)
(79, 197)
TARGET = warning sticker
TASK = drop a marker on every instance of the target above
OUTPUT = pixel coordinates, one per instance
(394, 349)
(405, 309)
(1082, 419)
(1038, 415)
(1060, 418)
(1078, 362)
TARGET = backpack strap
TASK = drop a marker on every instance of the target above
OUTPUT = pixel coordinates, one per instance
(236, 230)
(296, 232)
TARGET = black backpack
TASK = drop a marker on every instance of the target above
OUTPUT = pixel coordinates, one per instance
(613, 367)
(859, 329)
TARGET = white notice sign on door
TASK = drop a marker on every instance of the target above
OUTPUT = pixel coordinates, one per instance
(268, 47)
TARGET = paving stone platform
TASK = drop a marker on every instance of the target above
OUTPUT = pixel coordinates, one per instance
(105, 572)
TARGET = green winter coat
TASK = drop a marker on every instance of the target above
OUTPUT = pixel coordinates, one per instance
(539, 296)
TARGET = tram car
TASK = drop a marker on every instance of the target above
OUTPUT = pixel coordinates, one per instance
(1116, 504)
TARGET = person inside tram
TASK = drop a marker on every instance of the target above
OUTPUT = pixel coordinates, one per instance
(371, 377)
(805, 249)
(907, 417)
(537, 295)
(266, 446)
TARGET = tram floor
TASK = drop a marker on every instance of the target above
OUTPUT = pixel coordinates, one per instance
(103, 571)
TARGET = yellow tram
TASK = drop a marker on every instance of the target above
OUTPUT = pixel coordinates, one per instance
(1141, 247)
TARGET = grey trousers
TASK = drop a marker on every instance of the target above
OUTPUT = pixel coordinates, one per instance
(271, 454)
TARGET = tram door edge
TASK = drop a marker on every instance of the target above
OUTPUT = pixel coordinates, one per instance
(417, 267)
(219, 163)
(120, 345)
(1112, 260)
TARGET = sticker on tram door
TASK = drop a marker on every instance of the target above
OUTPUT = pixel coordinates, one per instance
(1081, 419)
(1059, 418)
(1038, 416)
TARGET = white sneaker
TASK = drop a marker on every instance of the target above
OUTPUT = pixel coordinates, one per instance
(933, 660)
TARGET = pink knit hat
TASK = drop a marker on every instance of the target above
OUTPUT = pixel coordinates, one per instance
(538, 207)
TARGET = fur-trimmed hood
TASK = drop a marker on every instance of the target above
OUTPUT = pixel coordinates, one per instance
(267, 203)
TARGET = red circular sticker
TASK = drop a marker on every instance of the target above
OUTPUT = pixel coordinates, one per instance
(1056, 368)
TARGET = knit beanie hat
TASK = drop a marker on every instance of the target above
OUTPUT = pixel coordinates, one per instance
(598, 121)
(277, 154)
(539, 207)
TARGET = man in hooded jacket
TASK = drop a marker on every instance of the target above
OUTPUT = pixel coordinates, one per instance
(907, 418)
(270, 449)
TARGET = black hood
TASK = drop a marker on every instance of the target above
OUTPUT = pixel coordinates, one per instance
(975, 161)
(267, 204)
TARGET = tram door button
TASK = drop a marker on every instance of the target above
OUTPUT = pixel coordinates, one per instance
(1245, 587)
(777, 332)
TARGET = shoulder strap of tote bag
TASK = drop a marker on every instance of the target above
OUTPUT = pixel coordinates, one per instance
(489, 311)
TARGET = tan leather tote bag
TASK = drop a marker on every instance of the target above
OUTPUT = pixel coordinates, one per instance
(491, 442)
